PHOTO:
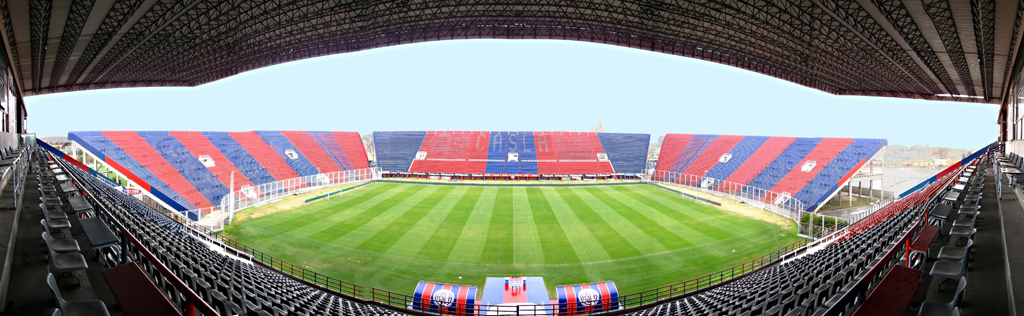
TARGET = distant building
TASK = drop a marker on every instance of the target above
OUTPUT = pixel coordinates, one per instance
(598, 129)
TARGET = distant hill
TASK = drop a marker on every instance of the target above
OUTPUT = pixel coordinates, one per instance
(54, 140)
(925, 152)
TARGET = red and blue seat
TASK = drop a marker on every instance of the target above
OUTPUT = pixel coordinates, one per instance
(808, 169)
(512, 153)
(167, 163)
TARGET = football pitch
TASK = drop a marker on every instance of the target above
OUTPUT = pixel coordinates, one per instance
(391, 235)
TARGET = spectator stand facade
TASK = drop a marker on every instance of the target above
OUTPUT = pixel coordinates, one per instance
(482, 155)
(765, 170)
(835, 249)
(194, 173)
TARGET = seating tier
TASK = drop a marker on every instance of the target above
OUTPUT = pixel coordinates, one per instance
(760, 159)
(188, 166)
(513, 153)
(766, 163)
(784, 163)
(280, 145)
(311, 150)
(199, 145)
(169, 161)
(627, 152)
(740, 153)
(820, 156)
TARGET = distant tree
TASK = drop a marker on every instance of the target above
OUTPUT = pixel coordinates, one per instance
(368, 142)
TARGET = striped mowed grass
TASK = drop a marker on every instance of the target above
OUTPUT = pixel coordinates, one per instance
(392, 235)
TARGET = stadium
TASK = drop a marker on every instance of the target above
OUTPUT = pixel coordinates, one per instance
(442, 222)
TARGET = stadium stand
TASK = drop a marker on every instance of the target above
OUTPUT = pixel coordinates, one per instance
(738, 155)
(281, 146)
(819, 157)
(222, 167)
(238, 156)
(135, 146)
(504, 143)
(345, 148)
(529, 154)
(694, 148)
(108, 151)
(229, 284)
(809, 169)
(185, 163)
(760, 159)
(671, 148)
(194, 168)
(827, 280)
(453, 152)
(703, 162)
(784, 163)
(627, 152)
(312, 151)
(352, 147)
(395, 151)
(333, 149)
(570, 153)
(841, 167)
(265, 155)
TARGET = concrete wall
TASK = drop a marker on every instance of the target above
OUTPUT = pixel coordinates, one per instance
(1015, 146)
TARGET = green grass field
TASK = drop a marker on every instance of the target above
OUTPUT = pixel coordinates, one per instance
(392, 235)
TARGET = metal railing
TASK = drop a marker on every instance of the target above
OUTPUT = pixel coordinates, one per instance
(132, 250)
(779, 203)
(179, 217)
(268, 192)
(633, 300)
(899, 253)
(296, 271)
(817, 226)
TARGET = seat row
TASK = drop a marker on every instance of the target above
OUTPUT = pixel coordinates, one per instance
(952, 263)
(64, 254)
(805, 285)
(820, 280)
(230, 284)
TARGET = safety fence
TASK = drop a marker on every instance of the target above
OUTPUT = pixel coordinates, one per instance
(816, 226)
(131, 250)
(403, 301)
(296, 271)
(775, 202)
(920, 200)
(637, 300)
(697, 198)
(250, 196)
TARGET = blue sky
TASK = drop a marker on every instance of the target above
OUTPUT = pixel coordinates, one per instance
(525, 85)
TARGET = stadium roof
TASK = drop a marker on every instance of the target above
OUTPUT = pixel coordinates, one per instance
(958, 50)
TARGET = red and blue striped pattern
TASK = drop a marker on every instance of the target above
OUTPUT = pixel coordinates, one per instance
(166, 163)
(769, 163)
(487, 153)
(579, 299)
(447, 299)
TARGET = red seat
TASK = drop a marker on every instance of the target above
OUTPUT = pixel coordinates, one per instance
(140, 150)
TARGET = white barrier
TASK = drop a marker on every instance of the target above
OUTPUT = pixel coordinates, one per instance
(778, 203)
(250, 196)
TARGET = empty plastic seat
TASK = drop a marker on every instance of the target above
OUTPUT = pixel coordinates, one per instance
(84, 308)
(59, 245)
